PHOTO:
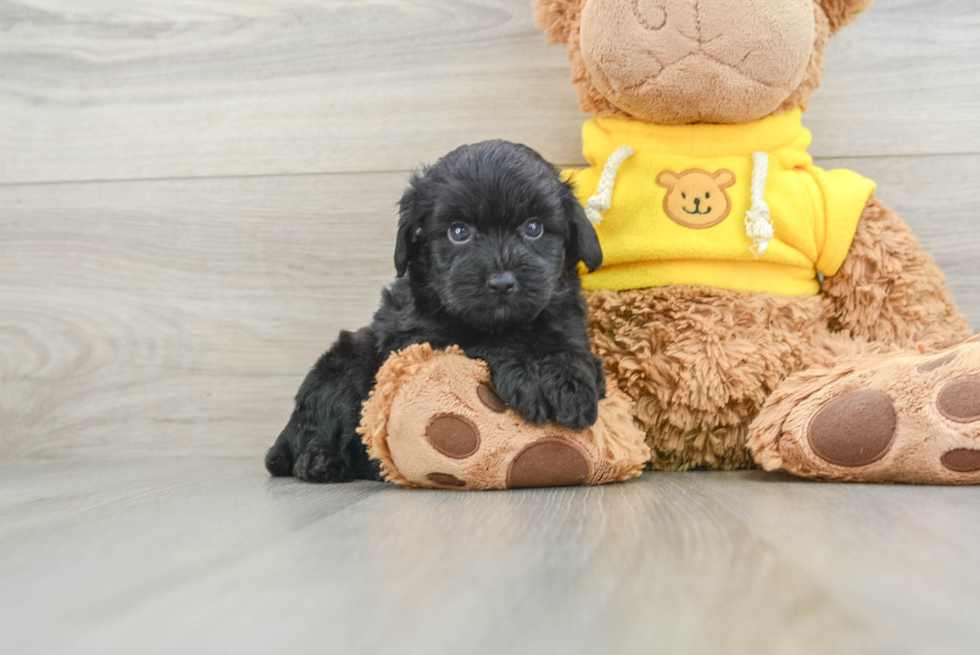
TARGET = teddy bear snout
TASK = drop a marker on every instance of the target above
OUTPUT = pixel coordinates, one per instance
(650, 13)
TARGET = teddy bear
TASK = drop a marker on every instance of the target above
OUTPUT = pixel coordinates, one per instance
(754, 309)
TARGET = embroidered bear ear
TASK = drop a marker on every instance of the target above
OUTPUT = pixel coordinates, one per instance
(724, 178)
(667, 179)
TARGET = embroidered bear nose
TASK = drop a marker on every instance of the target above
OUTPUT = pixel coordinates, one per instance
(502, 282)
(697, 201)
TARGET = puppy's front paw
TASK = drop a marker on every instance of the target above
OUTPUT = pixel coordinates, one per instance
(563, 390)
(320, 463)
(522, 390)
(573, 394)
(600, 375)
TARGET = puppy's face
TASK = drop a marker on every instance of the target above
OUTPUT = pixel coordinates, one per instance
(492, 233)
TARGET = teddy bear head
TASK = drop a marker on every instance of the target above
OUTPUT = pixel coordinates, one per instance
(694, 61)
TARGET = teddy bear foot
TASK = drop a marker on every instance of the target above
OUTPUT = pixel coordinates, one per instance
(434, 420)
(887, 418)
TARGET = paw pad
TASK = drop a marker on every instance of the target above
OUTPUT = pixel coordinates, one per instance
(936, 363)
(453, 435)
(959, 400)
(549, 462)
(445, 479)
(490, 398)
(962, 460)
(855, 429)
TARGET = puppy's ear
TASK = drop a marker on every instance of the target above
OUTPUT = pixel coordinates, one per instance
(583, 244)
(410, 218)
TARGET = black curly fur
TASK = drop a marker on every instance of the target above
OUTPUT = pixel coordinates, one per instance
(533, 338)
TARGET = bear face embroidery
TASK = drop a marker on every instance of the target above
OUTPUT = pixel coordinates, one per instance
(697, 198)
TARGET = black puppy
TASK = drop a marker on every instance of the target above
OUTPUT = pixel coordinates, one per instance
(490, 238)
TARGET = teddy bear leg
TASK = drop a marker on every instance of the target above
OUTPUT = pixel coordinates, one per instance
(888, 417)
(699, 363)
(434, 420)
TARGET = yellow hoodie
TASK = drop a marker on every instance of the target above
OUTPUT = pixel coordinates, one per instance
(731, 206)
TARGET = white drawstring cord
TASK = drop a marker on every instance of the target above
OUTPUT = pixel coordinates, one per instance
(602, 200)
(758, 224)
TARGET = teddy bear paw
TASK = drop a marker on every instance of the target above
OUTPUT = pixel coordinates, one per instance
(904, 418)
(500, 459)
(438, 422)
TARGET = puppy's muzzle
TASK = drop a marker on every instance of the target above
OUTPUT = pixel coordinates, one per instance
(502, 283)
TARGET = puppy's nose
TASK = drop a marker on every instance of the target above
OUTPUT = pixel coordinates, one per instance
(502, 282)
(697, 201)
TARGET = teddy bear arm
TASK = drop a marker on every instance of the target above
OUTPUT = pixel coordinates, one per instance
(890, 290)
(434, 420)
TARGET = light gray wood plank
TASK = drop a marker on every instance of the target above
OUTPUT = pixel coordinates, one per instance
(928, 532)
(212, 556)
(77, 543)
(111, 90)
(904, 79)
(180, 317)
(217, 560)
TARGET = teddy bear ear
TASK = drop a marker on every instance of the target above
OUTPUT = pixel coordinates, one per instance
(842, 12)
(667, 179)
(724, 178)
(557, 18)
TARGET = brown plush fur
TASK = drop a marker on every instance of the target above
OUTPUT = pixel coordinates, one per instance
(814, 70)
(589, 98)
(780, 437)
(889, 290)
(418, 383)
(701, 362)
(557, 18)
(842, 12)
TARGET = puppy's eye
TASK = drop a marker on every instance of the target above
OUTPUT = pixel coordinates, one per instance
(707, 195)
(684, 196)
(460, 233)
(533, 229)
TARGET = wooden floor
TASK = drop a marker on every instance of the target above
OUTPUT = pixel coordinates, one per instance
(196, 196)
(174, 556)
